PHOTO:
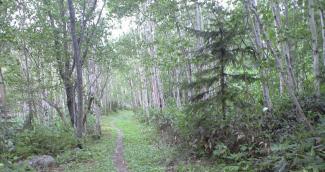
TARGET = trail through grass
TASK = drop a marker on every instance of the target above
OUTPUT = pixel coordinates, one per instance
(141, 151)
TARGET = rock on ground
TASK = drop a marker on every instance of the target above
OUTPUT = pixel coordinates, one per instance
(42, 162)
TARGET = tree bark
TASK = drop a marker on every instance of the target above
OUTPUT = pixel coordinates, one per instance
(157, 87)
(284, 46)
(78, 61)
(3, 109)
(63, 61)
(177, 91)
(30, 115)
(261, 54)
(321, 14)
(314, 41)
(94, 104)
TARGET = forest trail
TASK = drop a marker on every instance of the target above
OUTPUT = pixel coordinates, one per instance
(126, 146)
(118, 156)
(136, 147)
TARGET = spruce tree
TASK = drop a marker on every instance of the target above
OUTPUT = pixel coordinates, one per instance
(219, 71)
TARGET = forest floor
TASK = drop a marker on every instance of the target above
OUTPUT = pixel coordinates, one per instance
(126, 145)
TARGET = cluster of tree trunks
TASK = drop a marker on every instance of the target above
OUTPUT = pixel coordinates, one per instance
(282, 53)
(69, 58)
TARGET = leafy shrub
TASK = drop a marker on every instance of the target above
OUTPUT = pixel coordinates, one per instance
(42, 140)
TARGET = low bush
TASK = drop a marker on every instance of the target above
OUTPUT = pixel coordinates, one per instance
(41, 140)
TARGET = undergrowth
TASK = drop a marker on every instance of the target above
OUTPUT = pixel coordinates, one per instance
(261, 141)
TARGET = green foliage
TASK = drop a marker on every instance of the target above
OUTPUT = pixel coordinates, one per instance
(41, 140)
(170, 121)
(44, 140)
(300, 151)
(123, 8)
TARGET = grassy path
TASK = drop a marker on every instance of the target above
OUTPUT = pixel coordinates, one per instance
(118, 156)
(140, 149)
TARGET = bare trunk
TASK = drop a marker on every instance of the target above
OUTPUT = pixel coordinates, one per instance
(321, 14)
(30, 115)
(133, 93)
(198, 24)
(94, 102)
(98, 128)
(78, 61)
(70, 96)
(160, 91)
(260, 51)
(157, 87)
(281, 84)
(3, 109)
(285, 51)
(144, 91)
(177, 91)
(312, 26)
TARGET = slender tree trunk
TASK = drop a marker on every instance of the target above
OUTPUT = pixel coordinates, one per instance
(78, 61)
(94, 102)
(160, 90)
(3, 109)
(260, 51)
(29, 118)
(133, 93)
(70, 97)
(284, 46)
(177, 91)
(321, 14)
(144, 92)
(312, 27)
(63, 61)
(98, 128)
(198, 23)
(157, 86)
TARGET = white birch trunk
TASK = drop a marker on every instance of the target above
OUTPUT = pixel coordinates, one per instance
(93, 77)
(144, 91)
(312, 26)
(157, 86)
(284, 47)
(260, 50)
(177, 91)
(3, 110)
(321, 14)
